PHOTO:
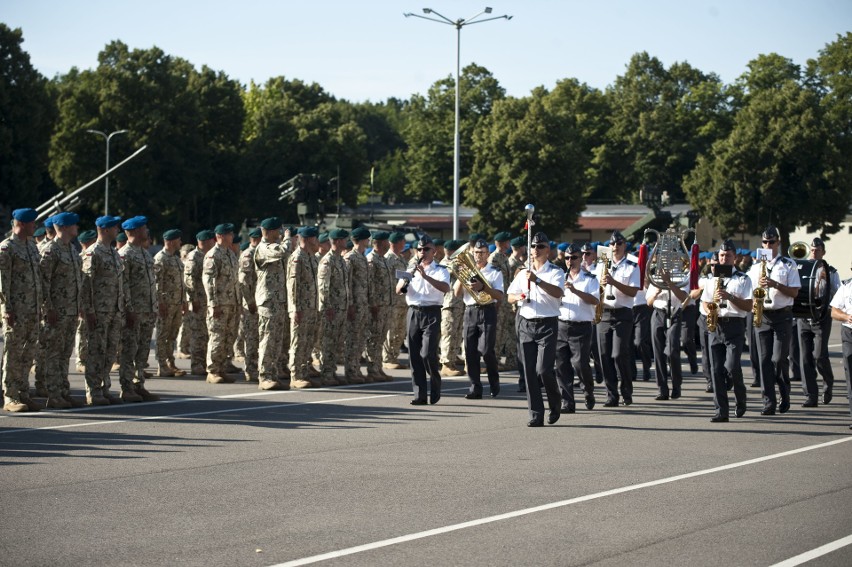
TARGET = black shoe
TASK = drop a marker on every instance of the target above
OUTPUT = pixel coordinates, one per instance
(784, 406)
(675, 395)
(578, 385)
(740, 411)
(810, 404)
(729, 385)
(755, 384)
(646, 377)
(472, 396)
(611, 404)
(535, 423)
(693, 369)
(661, 398)
(590, 402)
(418, 402)
(718, 419)
(709, 389)
(628, 401)
(768, 411)
(434, 400)
(567, 408)
(553, 417)
(599, 379)
(826, 397)
(495, 392)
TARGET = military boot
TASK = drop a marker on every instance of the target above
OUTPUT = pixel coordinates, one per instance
(113, 400)
(355, 378)
(75, 403)
(299, 384)
(15, 406)
(447, 370)
(58, 402)
(130, 396)
(267, 384)
(145, 394)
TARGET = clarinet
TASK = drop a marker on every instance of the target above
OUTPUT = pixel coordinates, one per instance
(404, 288)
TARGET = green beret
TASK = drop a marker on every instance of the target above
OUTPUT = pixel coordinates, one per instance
(205, 235)
(452, 245)
(360, 233)
(518, 241)
(122, 237)
(474, 236)
(237, 239)
(292, 229)
(396, 237)
(338, 233)
(224, 228)
(272, 223)
(87, 236)
(350, 245)
(244, 246)
(308, 231)
(172, 234)
(439, 241)
(502, 236)
(256, 233)
(323, 237)
(380, 235)
(40, 231)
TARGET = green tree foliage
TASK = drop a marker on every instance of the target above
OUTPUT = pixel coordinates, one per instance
(27, 114)
(190, 120)
(530, 150)
(773, 167)
(429, 132)
(293, 128)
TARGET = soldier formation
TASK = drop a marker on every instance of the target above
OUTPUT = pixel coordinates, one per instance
(296, 305)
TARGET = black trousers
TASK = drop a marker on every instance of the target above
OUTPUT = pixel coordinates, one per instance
(614, 333)
(424, 331)
(537, 338)
(688, 328)
(704, 338)
(752, 349)
(666, 339)
(773, 343)
(726, 349)
(480, 338)
(794, 360)
(573, 348)
(813, 350)
(846, 337)
(642, 349)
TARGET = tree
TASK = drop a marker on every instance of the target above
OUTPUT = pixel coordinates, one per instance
(26, 119)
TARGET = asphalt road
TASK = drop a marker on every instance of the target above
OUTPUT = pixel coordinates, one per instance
(227, 475)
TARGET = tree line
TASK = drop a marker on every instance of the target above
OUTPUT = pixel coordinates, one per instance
(772, 147)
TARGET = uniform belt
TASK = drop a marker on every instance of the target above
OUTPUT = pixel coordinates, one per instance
(617, 309)
(425, 307)
(782, 310)
(575, 322)
(730, 319)
(486, 306)
(540, 319)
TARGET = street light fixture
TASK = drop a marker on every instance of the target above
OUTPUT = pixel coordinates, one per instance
(107, 138)
(458, 24)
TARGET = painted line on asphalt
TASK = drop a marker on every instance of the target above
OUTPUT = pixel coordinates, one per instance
(210, 412)
(814, 553)
(545, 507)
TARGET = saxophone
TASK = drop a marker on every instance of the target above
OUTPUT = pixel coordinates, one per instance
(759, 296)
(713, 309)
(600, 306)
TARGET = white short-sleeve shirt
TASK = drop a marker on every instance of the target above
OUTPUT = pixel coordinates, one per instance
(541, 304)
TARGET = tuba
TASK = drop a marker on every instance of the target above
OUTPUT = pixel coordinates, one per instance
(464, 268)
(669, 256)
(799, 250)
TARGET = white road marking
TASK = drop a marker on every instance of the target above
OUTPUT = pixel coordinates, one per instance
(545, 507)
(814, 553)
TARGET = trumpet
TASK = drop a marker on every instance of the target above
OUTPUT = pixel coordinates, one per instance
(759, 296)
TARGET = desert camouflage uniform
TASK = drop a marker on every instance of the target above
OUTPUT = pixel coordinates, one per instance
(397, 312)
(452, 323)
(20, 294)
(141, 289)
(247, 280)
(193, 270)
(222, 288)
(334, 290)
(271, 298)
(61, 281)
(82, 343)
(302, 298)
(171, 297)
(506, 343)
(103, 294)
(380, 297)
(357, 328)
(40, 370)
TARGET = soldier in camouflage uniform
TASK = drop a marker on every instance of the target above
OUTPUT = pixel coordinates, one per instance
(61, 281)
(41, 351)
(358, 271)
(248, 317)
(171, 301)
(104, 305)
(452, 320)
(506, 342)
(141, 316)
(316, 351)
(221, 284)
(398, 308)
(335, 306)
(379, 294)
(20, 303)
(517, 261)
(184, 346)
(193, 271)
(302, 307)
(86, 239)
(271, 300)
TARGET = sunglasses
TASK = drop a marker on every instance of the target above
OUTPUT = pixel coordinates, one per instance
(540, 246)
(574, 257)
(770, 241)
(425, 249)
(587, 253)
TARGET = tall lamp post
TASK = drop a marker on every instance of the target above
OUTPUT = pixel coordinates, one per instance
(107, 137)
(458, 24)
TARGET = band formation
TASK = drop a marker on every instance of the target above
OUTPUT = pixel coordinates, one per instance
(295, 306)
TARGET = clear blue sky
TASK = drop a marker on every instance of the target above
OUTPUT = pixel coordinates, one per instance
(368, 50)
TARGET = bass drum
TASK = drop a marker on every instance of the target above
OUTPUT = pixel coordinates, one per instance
(814, 296)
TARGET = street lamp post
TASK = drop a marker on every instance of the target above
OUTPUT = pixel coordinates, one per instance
(107, 138)
(458, 24)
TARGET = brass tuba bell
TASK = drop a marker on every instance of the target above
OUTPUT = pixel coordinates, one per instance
(799, 250)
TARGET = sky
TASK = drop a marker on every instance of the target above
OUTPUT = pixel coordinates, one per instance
(369, 51)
